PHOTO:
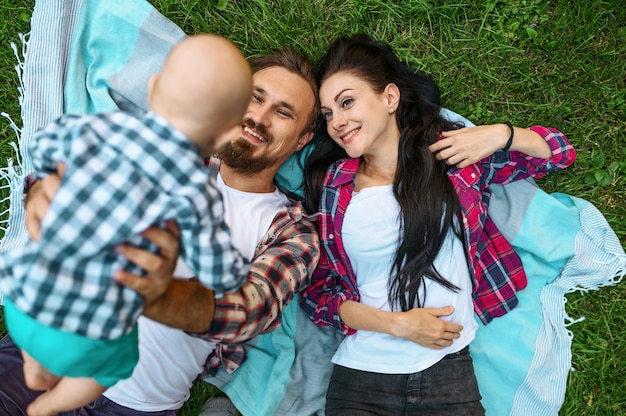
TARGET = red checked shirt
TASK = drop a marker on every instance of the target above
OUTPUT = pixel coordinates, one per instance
(497, 269)
(283, 262)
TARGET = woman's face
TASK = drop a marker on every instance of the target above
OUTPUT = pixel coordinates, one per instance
(358, 118)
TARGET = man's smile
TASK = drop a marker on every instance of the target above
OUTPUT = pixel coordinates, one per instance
(253, 135)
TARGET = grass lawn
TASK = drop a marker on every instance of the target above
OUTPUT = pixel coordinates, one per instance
(559, 63)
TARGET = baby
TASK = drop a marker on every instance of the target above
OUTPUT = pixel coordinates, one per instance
(74, 323)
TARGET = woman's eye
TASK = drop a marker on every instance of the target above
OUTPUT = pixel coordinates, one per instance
(347, 102)
(327, 115)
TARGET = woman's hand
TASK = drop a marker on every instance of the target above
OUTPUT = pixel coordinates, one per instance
(469, 145)
(425, 327)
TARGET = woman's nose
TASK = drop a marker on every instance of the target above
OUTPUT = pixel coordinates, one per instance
(338, 122)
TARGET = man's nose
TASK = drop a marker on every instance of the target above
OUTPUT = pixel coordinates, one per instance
(261, 115)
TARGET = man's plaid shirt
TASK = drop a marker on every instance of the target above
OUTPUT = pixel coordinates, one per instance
(283, 263)
(123, 174)
(497, 269)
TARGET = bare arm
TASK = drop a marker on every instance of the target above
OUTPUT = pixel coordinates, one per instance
(469, 145)
(420, 325)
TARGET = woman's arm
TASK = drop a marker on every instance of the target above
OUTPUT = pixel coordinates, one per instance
(530, 143)
(322, 298)
(330, 300)
(469, 145)
(420, 325)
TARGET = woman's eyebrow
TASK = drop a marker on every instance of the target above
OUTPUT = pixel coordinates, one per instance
(341, 92)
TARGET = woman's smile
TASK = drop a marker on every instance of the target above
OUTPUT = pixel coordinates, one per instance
(349, 136)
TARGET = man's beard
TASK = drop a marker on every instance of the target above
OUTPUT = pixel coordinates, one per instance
(238, 155)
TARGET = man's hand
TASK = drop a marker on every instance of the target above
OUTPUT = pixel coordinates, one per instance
(38, 201)
(160, 266)
(180, 303)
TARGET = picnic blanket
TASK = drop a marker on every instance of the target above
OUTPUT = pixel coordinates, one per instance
(95, 55)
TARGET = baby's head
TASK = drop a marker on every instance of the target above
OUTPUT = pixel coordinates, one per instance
(203, 90)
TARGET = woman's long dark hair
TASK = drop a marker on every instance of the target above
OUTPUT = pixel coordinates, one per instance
(427, 199)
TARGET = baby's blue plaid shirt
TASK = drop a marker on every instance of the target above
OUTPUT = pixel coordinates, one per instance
(123, 174)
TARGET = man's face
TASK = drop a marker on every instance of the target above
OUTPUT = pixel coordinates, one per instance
(274, 124)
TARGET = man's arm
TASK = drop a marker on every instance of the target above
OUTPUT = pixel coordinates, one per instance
(281, 269)
(37, 197)
(180, 303)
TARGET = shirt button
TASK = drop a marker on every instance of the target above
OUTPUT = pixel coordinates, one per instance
(331, 236)
(473, 175)
(464, 220)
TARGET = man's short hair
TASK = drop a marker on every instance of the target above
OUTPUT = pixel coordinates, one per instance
(298, 64)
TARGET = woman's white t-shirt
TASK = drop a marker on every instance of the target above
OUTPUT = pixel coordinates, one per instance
(370, 231)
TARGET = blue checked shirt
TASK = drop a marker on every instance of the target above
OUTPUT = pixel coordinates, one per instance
(123, 174)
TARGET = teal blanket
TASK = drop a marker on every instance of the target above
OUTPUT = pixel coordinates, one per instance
(95, 55)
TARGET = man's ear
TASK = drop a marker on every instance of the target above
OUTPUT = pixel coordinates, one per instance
(392, 95)
(304, 140)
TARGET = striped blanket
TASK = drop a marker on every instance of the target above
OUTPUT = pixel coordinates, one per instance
(94, 55)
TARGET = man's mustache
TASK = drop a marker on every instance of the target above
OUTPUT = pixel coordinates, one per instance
(259, 128)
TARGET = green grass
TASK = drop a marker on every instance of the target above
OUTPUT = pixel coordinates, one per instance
(557, 63)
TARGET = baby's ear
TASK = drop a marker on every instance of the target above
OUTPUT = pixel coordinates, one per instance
(151, 82)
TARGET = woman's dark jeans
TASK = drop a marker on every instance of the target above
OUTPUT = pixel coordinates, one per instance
(447, 388)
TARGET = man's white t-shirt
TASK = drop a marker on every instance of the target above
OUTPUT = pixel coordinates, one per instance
(169, 359)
